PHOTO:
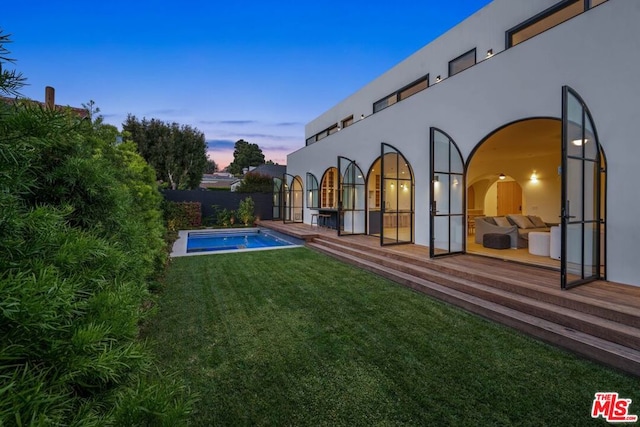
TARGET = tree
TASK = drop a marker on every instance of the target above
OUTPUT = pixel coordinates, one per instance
(177, 152)
(256, 183)
(245, 154)
(10, 80)
(212, 167)
(93, 112)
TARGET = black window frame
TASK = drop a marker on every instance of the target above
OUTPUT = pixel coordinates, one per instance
(396, 95)
(541, 16)
(475, 61)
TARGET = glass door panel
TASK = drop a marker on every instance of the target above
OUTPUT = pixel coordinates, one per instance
(277, 198)
(292, 198)
(581, 193)
(351, 198)
(447, 196)
(397, 206)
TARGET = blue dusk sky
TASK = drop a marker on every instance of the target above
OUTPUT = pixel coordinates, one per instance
(256, 70)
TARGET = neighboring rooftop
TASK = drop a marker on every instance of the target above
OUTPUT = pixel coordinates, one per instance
(49, 102)
(273, 171)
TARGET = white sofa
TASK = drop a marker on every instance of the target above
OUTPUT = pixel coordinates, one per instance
(517, 227)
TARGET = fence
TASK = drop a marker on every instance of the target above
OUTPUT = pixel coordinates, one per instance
(224, 200)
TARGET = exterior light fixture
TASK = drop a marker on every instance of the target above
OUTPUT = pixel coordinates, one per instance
(489, 53)
(361, 116)
(436, 178)
(438, 79)
(501, 177)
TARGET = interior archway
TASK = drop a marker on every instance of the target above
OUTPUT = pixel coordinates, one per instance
(527, 152)
(515, 171)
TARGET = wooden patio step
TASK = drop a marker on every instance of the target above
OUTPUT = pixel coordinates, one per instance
(515, 311)
(524, 284)
(585, 322)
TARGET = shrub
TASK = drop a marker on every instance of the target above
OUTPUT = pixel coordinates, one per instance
(256, 183)
(182, 215)
(246, 211)
(225, 217)
(81, 238)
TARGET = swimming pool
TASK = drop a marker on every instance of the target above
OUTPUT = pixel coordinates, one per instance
(196, 242)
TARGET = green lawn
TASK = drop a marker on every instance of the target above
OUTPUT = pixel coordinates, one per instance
(292, 337)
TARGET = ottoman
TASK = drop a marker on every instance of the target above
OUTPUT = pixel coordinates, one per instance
(539, 243)
(496, 241)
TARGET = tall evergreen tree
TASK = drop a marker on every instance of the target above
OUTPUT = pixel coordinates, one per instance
(245, 154)
(177, 152)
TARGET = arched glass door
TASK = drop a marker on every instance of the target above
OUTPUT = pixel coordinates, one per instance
(351, 198)
(447, 196)
(277, 198)
(581, 193)
(292, 195)
(397, 197)
(312, 192)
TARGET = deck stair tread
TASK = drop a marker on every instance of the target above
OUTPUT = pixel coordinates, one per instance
(613, 343)
(612, 311)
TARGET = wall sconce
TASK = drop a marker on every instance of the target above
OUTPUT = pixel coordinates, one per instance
(361, 116)
(455, 181)
(501, 177)
(438, 79)
(489, 53)
(534, 177)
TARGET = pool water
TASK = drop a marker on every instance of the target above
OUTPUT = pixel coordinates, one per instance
(233, 240)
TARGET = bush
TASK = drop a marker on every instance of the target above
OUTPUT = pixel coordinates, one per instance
(182, 215)
(81, 239)
(225, 217)
(245, 211)
(256, 183)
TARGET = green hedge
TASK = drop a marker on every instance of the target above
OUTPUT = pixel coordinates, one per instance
(182, 215)
(81, 238)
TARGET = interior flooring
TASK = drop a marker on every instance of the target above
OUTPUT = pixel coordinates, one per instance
(518, 255)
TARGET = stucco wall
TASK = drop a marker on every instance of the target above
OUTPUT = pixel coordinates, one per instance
(595, 53)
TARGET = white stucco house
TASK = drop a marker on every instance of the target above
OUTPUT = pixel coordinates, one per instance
(526, 109)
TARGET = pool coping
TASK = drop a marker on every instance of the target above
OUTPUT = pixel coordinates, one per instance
(179, 248)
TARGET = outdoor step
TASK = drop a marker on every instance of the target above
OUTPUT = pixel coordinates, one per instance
(598, 326)
(604, 309)
(601, 350)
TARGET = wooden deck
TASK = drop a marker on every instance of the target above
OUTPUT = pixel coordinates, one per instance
(599, 320)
